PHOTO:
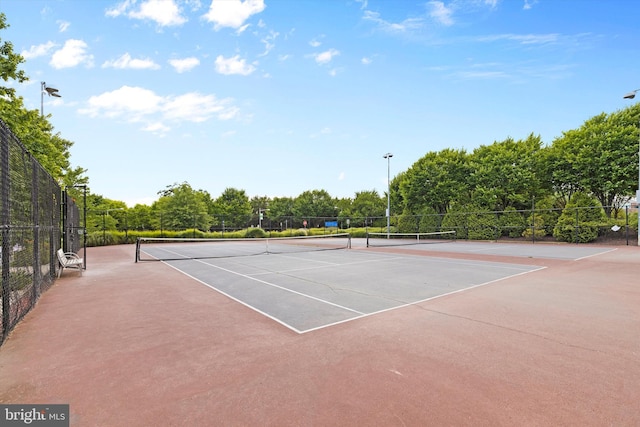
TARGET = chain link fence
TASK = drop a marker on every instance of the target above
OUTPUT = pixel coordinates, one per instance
(31, 205)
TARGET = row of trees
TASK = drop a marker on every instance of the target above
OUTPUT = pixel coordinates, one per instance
(181, 207)
(600, 159)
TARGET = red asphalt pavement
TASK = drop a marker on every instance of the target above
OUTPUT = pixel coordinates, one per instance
(143, 345)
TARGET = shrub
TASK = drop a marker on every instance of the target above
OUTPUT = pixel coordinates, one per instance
(512, 223)
(580, 220)
(255, 232)
(483, 225)
(538, 230)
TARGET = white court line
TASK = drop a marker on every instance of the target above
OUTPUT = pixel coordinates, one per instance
(281, 287)
(292, 270)
(257, 310)
(358, 314)
(599, 253)
(422, 301)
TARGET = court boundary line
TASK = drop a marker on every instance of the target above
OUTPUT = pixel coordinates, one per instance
(359, 315)
(221, 292)
(599, 253)
(273, 285)
(423, 300)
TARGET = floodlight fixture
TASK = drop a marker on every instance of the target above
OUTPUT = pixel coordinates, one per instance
(51, 91)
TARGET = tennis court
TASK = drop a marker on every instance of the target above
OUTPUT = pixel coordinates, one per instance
(302, 285)
(521, 249)
(144, 344)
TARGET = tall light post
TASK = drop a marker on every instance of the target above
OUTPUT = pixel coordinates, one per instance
(388, 156)
(50, 91)
(632, 95)
(104, 225)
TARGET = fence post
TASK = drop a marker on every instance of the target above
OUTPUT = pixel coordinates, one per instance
(626, 216)
(4, 219)
(35, 218)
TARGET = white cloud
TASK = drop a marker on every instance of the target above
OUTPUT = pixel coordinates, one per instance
(73, 53)
(194, 107)
(126, 62)
(325, 57)
(165, 13)
(120, 8)
(156, 127)
(315, 43)
(136, 104)
(184, 64)
(391, 27)
(341, 176)
(131, 102)
(233, 65)
(527, 39)
(441, 13)
(232, 13)
(63, 26)
(269, 42)
(528, 4)
(366, 61)
(38, 50)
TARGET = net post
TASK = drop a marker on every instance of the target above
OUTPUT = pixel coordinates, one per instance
(137, 249)
(349, 241)
(367, 239)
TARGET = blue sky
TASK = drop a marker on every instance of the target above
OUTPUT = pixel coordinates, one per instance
(276, 97)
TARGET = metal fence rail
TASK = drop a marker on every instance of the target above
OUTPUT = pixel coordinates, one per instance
(30, 221)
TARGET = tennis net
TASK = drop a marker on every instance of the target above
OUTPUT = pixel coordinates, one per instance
(172, 249)
(400, 239)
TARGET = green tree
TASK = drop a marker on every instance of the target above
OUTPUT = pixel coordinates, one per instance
(234, 207)
(314, 203)
(140, 218)
(435, 181)
(34, 131)
(600, 158)
(506, 174)
(368, 204)
(9, 63)
(180, 207)
(281, 207)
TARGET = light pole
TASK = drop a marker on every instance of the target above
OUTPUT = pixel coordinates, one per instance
(388, 156)
(104, 214)
(632, 95)
(50, 91)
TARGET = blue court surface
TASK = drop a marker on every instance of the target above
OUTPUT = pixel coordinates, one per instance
(307, 291)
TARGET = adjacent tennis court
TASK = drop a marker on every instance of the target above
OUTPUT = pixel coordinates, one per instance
(303, 285)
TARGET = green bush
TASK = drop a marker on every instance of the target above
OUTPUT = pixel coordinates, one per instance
(456, 220)
(483, 225)
(430, 221)
(580, 220)
(538, 230)
(255, 232)
(512, 223)
(408, 223)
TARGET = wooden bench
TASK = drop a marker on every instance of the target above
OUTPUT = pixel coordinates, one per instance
(69, 260)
